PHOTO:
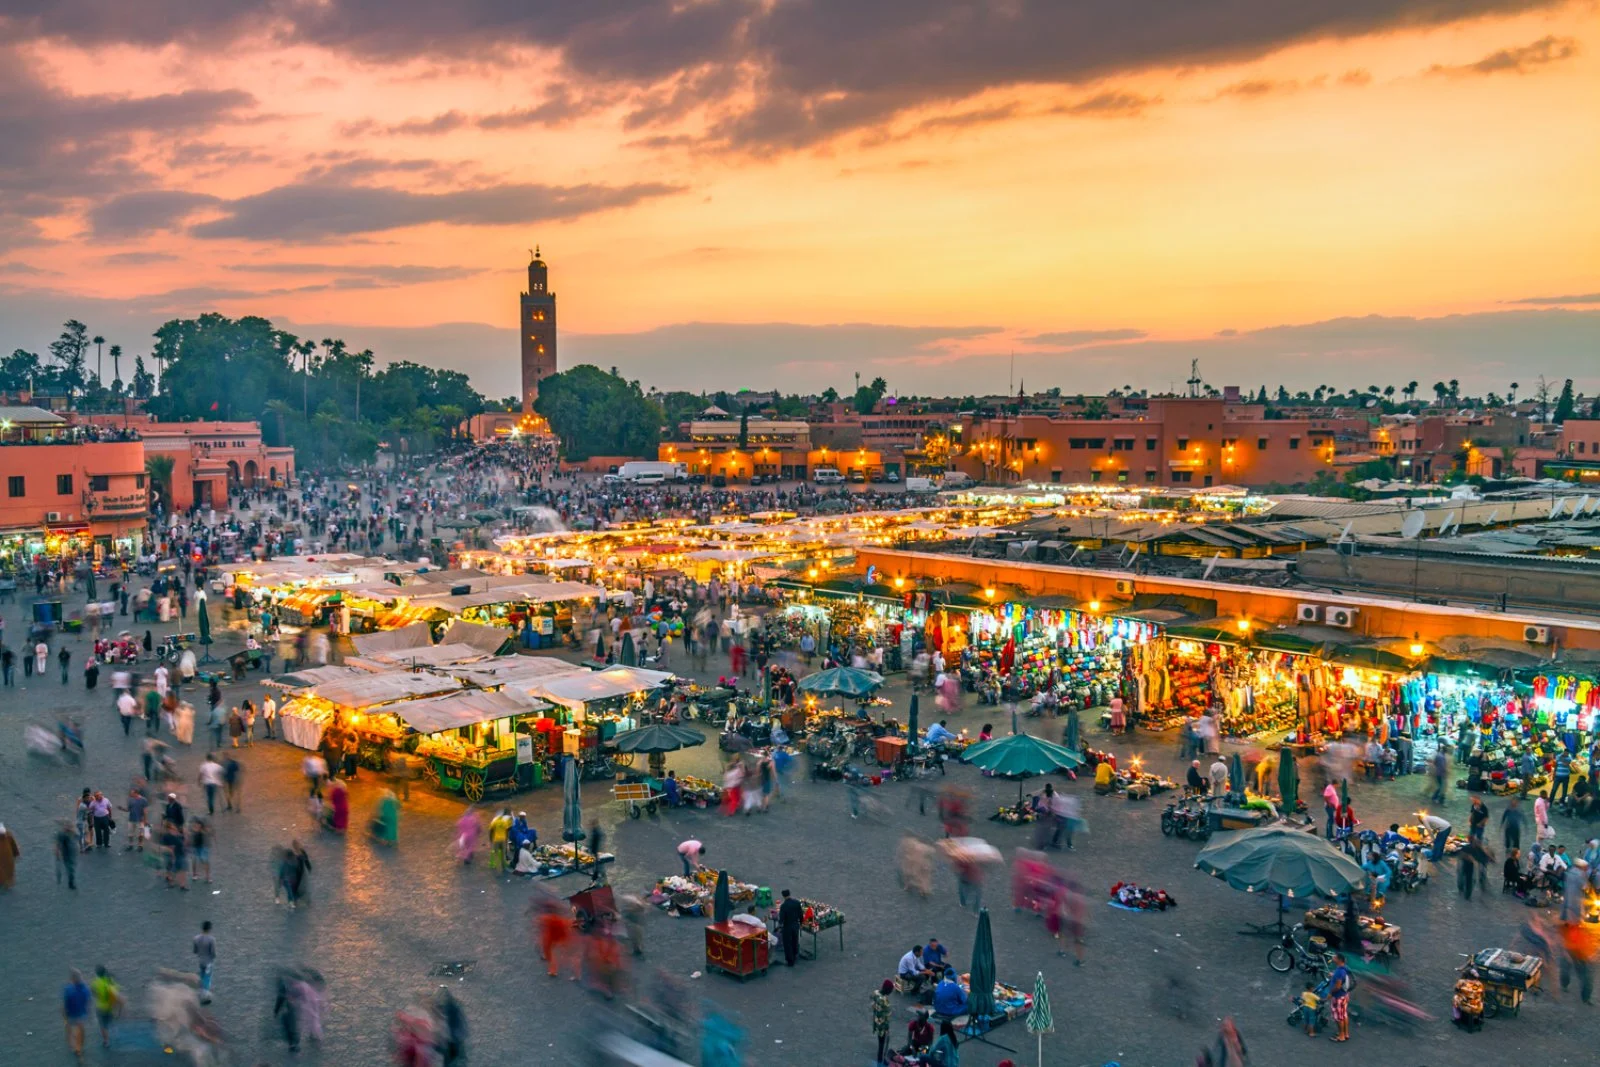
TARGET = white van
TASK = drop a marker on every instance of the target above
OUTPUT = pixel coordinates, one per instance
(957, 480)
(827, 476)
(921, 485)
(649, 478)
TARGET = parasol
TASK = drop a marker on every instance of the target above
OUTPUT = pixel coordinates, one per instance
(1277, 859)
(721, 903)
(203, 620)
(1020, 756)
(628, 657)
(845, 681)
(92, 591)
(1071, 736)
(658, 738)
(1040, 1021)
(980, 991)
(1288, 780)
(1236, 780)
(600, 648)
(571, 806)
(911, 723)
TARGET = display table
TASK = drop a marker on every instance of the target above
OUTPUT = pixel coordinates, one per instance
(1329, 919)
(739, 949)
(823, 917)
(1228, 817)
(299, 732)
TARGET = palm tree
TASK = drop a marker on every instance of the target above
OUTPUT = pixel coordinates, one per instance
(1388, 393)
(1441, 390)
(1411, 391)
(159, 468)
(116, 364)
(305, 348)
(1455, 389)
(99, 360)
(1511, 396)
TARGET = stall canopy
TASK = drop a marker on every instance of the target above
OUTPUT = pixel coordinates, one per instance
(1212, 631)
(442, 655)
(417, 635)
(580, 688)
(1287, 641)
(385, 688)
(313, 676)
(1363, 656)
(463, 709)
(515, 671)
(486, 639)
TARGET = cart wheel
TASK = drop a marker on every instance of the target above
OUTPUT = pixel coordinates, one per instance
(651, 808)
(1280, 960)
(430, 773)
(623, 759)
(633, 810)
(472, 786)
(1491, 1005)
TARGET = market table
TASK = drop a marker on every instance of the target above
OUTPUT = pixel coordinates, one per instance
(1329, 919)
(889, 750)
(300, 732)
(827, 917)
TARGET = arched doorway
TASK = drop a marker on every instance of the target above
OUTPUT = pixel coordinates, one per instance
(272, 475)
(233, 472)
(250, 473)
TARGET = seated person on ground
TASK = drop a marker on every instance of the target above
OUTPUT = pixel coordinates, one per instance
(949, 999)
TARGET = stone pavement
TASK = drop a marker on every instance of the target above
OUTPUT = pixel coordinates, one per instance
(380, 922)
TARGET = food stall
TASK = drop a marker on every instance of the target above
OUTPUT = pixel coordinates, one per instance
(350, 702)
(476, 742)
(599, 705)
(815, 918)
(692, 896)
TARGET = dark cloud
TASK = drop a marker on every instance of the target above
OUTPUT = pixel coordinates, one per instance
(346, 166)
(1078, 338)
(1576, 298)
(136, 214)
(439, 124)
(379, 273)
(194, 154)
(137, 259)
(1520, 60)
(809, 69)
(318, 211)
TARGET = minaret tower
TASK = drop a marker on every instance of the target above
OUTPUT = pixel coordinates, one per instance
(537, 322)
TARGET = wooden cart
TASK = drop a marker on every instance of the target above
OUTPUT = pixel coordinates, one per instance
(739, 949)
(1507, 977)
(474, 778)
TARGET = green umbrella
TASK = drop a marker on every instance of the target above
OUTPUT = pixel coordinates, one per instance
(1276, 859)
(1039, 1019)
(845, 681)
(911, 723)
(203, 620)
(628, 657)
(1236, 779)
(1070, 738)
(721, 902)
(92, 590)
(658, 737)
(1288, 780)
(1020, 756)
(980, 993)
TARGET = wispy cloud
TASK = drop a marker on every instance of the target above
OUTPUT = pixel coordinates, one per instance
(1078, 338)
(1523, 59)
(1575, 298)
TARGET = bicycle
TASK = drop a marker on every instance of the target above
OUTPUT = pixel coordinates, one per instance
(1312, 956)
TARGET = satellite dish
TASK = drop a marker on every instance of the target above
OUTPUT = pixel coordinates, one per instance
(1344, 535)
(1414, 524)
(1132, 556)
(1580, 507)
(1556, 506)
(1211, 565)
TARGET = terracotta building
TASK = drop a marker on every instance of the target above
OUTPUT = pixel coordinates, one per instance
(536, 318)
(1173, 442)
(67, 489)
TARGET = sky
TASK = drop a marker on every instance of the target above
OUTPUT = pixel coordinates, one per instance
(957, 196)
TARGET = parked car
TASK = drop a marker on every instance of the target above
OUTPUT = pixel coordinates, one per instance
(892, 477)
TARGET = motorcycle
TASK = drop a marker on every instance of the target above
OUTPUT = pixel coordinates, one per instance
(1182, 819)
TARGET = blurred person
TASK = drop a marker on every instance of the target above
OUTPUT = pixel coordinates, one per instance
(205, 953)
(8, 857)
(232, 785)
(386, 822)
(916, 865)
(499, 836)
(414, 1037)
(66, 846)
(555, 932)
(469, 831)
(210, 779)
(294, 867)
(107, 1002)
(75, 1000)
(199, 849)
(336, 816)
(451, 1029)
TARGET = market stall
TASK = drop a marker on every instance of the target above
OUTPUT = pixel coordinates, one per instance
(693, 896)
(815, 918)
(309, 713)
(476, 742)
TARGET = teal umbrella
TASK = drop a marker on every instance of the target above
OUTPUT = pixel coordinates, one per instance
(628, 657)
(203, 620)
(844, 681)
(1039, 1019)
(1288, 780)
(1020, 756)
(1070, 738)
(1236, 780)
(721, 900)
(658, 737)
(1276, 859)
(980, 994)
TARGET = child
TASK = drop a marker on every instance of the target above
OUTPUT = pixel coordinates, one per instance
(1309, 1002)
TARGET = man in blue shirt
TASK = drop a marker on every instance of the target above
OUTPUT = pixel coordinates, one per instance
(75, 1009)
(933, 954)
(949, 999)
(937, 733)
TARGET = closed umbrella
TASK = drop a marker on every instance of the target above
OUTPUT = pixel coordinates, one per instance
(911, 723)
(571, 807)
(721, 902)
(1236, 780)
(1039, 1019)
(844, 681)
(628, 657)
(600, 648)
(980, 994)
(658, 737)
(92, 589)
(1071, 737)
(1288, 780)
(203, 620)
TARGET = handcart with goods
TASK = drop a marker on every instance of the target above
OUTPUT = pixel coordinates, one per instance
(474, 776)
(592, 905)
(1506, 976)
(642, 797)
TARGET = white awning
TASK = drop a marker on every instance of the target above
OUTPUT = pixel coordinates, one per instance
(574, 690)
(416, 635)
(384, 688)
(463, 709)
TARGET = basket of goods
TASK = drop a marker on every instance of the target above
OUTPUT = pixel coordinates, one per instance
(1133, 897)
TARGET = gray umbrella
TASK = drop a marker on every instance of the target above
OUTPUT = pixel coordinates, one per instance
(721, 902)
(628, 657)
(1236, 780)
(1276, 859)
(911, 722)
(571, 803)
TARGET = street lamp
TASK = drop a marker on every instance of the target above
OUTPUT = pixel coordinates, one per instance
(1244, 626)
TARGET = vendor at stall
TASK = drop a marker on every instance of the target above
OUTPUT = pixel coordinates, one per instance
(914, 971)
(938, 733)
(949, 999)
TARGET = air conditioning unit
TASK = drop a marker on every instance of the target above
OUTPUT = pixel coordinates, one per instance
(1124, 587)
(1536, 635)
(1341, 617)
(1309, 612)
(52, 516)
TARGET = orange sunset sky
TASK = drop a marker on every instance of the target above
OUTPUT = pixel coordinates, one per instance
(782, 193)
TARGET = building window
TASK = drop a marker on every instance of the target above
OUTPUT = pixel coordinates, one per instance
(1261, 444)
(1094, 476)
(1149, 444)
(1580, 452)
(1208, 479)
(16, 485)
(138, 481)
(1055, 476)
(1078, 442)
(99, 483)
(1150, 476)
(1122, 476)
(63, 485)
(1182, 476)
(1294, 444)
(1183, 444)
(1229, 442)
(1122, 444)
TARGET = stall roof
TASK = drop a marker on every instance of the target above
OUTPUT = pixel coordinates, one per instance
(486, 640)
(599, 685)
(417, 635)
(385, 688)
(313, 676)
(463, 709)
(514, 670)
(444, 654)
